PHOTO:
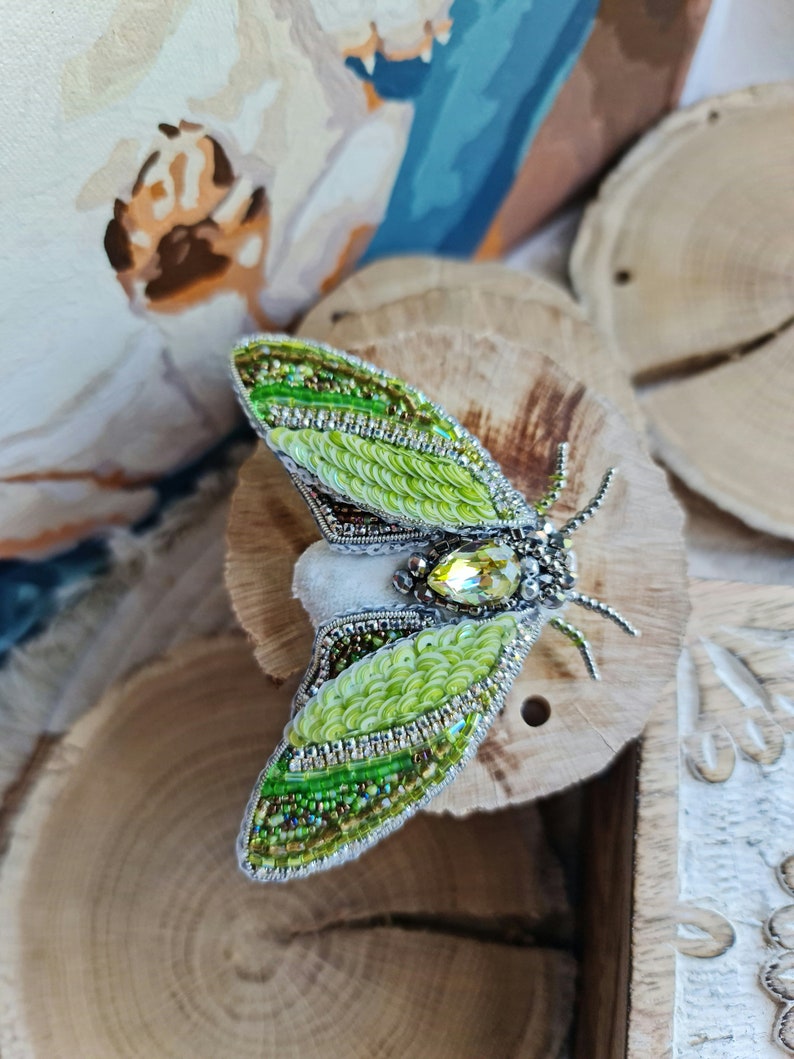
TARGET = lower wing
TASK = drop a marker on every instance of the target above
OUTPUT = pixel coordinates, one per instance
(393, 705)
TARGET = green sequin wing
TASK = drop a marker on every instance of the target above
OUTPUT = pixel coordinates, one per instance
(375, 459)
(369, 746)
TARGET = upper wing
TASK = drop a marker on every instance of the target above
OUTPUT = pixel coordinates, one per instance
(376, 460)
(392, 706)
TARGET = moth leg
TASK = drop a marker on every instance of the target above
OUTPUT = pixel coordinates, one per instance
(557, 481)
(597, 607)
(587, 512)
(578, 639)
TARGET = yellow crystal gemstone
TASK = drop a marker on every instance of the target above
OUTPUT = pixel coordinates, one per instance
(479, 572)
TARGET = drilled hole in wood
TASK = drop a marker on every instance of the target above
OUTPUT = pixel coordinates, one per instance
(622, 277)
(535, 711)
(714, 115)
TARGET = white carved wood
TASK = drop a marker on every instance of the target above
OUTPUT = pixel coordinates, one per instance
(715, 844)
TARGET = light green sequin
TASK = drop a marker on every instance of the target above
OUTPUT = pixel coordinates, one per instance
(385, 478)
(397, 685)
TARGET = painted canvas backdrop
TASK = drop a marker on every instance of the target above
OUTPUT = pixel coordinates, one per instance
(177, 172)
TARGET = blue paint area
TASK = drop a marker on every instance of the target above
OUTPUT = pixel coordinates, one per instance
(484, 97)
(31, 591)
(393, 80)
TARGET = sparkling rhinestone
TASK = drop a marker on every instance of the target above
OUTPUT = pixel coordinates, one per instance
(476, 573)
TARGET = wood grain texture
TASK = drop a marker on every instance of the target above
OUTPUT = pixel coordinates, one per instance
(684, 263)
(405, 293)
(520, 405)
(729, 433)
(686, 253)
(607, 884)
(125, 912)
(722, 547)
(394, 279)
(649, 1029)
(269, 527)
(714, 839)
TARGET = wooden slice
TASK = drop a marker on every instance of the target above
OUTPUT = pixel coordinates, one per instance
(520, 405)
(269, 527)
(687, 250)
(394, 279)
(685, 265)
(728, 433)
(129, 931)
(607, 855)
(406, 293)
(720, 546)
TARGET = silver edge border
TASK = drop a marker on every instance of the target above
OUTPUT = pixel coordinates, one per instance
(491, 470)
(358, 846)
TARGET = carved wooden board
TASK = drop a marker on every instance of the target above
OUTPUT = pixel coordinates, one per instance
(715, 844)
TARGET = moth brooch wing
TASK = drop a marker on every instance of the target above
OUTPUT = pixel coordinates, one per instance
(395, 701)
(410, 700)
(377, 462)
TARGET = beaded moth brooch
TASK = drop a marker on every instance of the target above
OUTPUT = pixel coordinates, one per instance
(395, 701)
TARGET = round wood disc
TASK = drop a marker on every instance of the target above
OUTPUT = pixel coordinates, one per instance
(685, 264)
(405, 293)
(129, 930)
(728, 433)
(631, 555)
(392, 280)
